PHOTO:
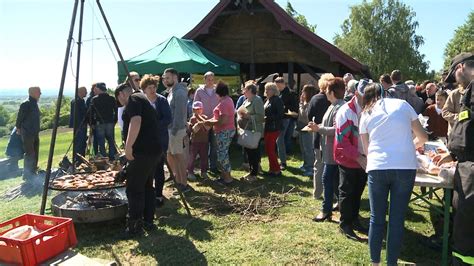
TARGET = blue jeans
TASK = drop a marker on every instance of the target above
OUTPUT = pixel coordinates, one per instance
(289, 136)
(307, 150)
(95, 144)
(80, 142)
(281, 145)
(330, 176)
(106, 132)
(399, 183)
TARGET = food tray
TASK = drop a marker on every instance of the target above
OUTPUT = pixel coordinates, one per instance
(57, 236)
(84, 179)
(87, 189)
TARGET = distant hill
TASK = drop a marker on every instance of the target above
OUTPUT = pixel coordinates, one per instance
(23, 92)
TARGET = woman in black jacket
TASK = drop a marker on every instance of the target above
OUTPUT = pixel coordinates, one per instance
(273, 124)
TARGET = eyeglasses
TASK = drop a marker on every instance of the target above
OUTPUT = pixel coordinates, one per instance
(136, 80)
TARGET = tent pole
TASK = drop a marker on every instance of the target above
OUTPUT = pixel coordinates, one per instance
(76, 98)
(58, 109)
(122, 61)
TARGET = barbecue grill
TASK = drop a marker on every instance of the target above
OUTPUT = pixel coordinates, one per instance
(90, 206)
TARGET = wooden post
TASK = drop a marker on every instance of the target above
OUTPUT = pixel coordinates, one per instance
(252, 71)
(298, 83)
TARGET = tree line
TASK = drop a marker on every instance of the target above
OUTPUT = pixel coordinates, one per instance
(382, 35)
(378, 33)
(8, 119)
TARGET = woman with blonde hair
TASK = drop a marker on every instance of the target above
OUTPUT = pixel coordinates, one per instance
(335, 94)
(273, 123)
(317, 107)
(251, 116)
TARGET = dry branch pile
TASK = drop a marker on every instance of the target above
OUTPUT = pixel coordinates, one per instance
(250, 204)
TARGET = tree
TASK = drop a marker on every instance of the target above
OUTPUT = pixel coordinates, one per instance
(381, 34)
(48, 114)
(463, 41)
(301, 19)
(4, 116)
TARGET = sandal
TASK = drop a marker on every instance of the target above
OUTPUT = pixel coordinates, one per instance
(321, 217)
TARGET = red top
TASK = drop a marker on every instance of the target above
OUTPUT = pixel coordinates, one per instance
(436, 122)
(226, 108)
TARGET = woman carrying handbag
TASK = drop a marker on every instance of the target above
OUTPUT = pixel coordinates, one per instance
(250, 122)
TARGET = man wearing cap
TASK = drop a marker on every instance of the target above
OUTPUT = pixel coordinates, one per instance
(453, 103)
(142, 150)
(461, 146)
(349, 155)
(104, 109)
(28, 127)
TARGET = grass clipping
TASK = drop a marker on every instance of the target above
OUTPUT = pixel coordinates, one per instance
(252, 205)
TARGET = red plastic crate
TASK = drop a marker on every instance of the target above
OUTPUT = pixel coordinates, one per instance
(57, 236)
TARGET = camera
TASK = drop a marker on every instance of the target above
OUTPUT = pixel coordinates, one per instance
(123, 160)
(122, 174)
(65, 164)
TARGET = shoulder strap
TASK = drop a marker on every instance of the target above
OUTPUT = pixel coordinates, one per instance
(468, 98)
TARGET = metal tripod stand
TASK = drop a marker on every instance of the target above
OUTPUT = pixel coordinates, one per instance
(61, 90)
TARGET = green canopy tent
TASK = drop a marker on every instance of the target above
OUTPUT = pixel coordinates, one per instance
(186, 56)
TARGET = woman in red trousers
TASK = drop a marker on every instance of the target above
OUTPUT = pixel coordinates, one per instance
(273, 123)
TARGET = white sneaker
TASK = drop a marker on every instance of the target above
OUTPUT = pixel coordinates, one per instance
(191, 177)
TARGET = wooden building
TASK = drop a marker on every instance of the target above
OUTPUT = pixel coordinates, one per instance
(264, 39)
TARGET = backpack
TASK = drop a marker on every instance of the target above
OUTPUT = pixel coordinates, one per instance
(461, 139)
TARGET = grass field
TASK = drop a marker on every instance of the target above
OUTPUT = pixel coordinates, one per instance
(265, 222)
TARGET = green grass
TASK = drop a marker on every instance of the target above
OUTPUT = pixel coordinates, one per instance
(217, 234)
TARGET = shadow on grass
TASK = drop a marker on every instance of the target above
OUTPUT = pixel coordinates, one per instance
(10, 174)
(298, 172)
(408, 253)
(193, 227)
(413, 216)
(170, 249)
(28, 188)
(160, 245)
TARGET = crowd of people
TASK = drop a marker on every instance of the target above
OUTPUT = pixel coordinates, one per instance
(346, 136)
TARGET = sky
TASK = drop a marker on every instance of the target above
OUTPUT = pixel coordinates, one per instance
(33, 33)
